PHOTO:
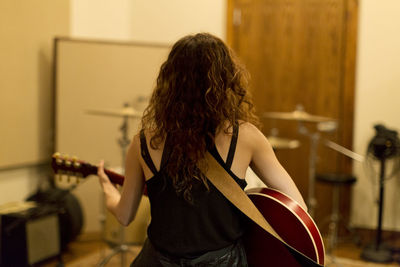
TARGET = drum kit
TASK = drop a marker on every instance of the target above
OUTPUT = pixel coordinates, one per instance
(324, 124)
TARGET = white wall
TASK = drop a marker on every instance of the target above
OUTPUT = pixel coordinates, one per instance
(102, 19)
(17, 184)
(377, 101)
(166, 21)
(147, 20)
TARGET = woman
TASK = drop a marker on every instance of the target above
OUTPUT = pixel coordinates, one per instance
(200, 104)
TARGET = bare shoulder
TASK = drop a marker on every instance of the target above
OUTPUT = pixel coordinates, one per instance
(134, 153)
(134, 146)
(136, 139)
(251, 136)
(249, 130)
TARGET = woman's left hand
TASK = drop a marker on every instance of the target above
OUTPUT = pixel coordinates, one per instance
(103, 178)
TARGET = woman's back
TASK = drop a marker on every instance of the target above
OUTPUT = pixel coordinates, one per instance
(184, 229)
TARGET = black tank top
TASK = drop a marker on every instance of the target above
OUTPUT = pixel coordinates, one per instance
(187, 230)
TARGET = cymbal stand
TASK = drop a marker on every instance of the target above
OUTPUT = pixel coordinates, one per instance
(314, 140)
(122, 247)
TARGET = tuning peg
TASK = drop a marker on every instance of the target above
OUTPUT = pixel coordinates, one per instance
(68, 162)
(75, 163)
(58, 158)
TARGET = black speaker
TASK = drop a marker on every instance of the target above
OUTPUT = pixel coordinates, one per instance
(69, 211)
(29, 236)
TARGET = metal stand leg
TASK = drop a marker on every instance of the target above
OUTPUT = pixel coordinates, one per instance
(334, 221)
(312, 202)
(314, 139)
(333, 225)
(121, 248)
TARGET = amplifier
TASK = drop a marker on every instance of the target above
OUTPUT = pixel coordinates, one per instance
(30, 236)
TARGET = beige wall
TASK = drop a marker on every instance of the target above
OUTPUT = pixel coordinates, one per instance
(377, 101)
(27, 31)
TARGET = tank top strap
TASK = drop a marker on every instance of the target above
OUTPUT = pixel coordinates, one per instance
(232, 147)
(145, 152)
(166, 152)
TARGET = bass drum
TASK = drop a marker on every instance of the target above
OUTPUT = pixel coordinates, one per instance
(134, 234)
(69, 212)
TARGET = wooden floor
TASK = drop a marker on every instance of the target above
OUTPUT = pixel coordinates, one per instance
(92, 244)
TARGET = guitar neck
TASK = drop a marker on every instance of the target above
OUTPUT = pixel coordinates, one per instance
(115, 178)
(73, 166)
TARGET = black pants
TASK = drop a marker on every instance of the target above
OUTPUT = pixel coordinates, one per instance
(232, 256)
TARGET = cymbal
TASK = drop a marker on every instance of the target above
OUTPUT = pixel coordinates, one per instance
(297, 115)
(123, 112)
(283, 143)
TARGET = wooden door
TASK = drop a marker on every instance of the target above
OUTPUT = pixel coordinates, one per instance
(301, 52)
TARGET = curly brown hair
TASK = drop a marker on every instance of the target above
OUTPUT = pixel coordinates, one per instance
(201, 89)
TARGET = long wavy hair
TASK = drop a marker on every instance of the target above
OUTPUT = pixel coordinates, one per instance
(201, 89)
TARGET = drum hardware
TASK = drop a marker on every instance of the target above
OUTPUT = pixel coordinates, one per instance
(312, 162)
(296, 115)
(337, 180)
(126, 112)
(278, 142)
(327, 126)
(343, 150)
(282, 143)
(315, 139)
(302, 117)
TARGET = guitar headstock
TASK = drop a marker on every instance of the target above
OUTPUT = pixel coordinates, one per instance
(71, 166)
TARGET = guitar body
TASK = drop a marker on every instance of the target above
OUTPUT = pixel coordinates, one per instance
(292, 223)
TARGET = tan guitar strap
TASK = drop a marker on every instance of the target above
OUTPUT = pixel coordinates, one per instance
(219, 177)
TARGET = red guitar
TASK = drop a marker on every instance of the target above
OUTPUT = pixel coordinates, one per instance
(292, 223)
(287, 218)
